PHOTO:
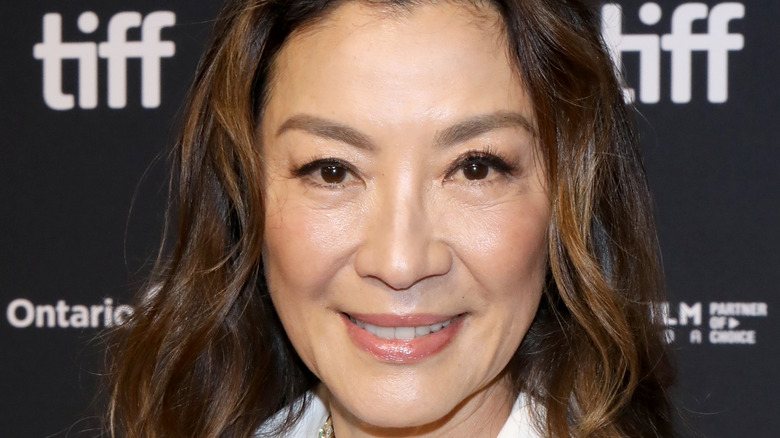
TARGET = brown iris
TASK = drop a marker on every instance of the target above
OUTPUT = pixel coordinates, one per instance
(475, 171)
(333, 174)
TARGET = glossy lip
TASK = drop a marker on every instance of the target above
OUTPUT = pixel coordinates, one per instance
(414, 320)
(398, 350)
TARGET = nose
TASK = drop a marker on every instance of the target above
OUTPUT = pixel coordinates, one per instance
(401, 247)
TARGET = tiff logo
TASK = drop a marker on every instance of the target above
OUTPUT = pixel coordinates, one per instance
(681, 42)
(117, 50)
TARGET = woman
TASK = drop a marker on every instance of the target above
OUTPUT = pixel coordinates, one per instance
(403, 218)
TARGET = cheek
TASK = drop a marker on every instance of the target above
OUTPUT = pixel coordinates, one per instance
(304, 250)
(505, 248)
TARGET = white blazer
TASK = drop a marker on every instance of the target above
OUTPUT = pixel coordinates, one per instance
(518, 425)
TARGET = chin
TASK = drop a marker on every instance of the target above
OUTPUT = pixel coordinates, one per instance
(406, 411)
(401, 417)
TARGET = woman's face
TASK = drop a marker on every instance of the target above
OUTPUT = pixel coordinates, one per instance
(406, 215)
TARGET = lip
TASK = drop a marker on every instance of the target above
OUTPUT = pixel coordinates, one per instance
(398, 350)
(414, 320)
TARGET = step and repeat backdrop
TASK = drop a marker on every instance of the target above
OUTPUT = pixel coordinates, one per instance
(89, 97)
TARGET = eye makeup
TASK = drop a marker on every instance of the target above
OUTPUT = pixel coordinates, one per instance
(479, 163)
(325, 172)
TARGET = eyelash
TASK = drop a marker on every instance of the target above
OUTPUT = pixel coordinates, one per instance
(487, 156)
(316, 164)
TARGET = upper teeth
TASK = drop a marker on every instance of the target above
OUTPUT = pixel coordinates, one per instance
(403, 333)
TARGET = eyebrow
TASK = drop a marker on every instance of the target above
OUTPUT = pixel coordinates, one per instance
(478, 125)
(458, 133)
(327, 129)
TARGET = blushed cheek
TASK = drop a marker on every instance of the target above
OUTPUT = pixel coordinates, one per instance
(305, 247)
(525, 249)
(507, 248)
(303, 253)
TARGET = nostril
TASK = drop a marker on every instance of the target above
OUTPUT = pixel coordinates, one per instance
(402, 268)
(400, 247)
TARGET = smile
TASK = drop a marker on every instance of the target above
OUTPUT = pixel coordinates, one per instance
(402, 339)
(403, 333)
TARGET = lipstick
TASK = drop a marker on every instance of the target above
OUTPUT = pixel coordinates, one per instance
(402, 339)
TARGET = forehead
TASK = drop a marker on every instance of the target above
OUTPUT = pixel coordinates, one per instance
(480, 12)
(433, 59)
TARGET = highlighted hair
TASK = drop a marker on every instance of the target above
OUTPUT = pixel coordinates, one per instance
(205, 354)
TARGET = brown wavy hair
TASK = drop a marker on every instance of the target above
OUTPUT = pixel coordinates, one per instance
(205, 354)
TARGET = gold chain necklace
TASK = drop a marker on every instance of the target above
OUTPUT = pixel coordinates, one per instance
(326, 431)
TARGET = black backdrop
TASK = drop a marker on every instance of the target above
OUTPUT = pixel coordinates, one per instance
(82, 191)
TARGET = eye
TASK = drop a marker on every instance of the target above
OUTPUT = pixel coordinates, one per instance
(328, 172)
(333, 174)
(478, 166)
(475, 170)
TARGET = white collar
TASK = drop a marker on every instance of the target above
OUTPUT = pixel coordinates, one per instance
(518, 425)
